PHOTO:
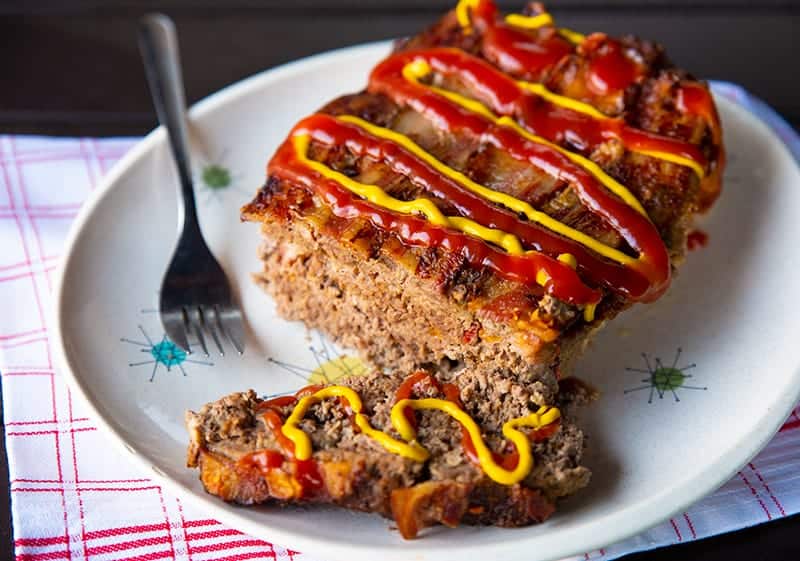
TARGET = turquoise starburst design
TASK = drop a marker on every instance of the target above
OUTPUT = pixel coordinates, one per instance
(168, 353)
(662, 379)
(163, 353)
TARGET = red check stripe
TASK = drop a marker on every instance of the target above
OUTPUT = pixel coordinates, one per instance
(22, 334)
(791, 425)
(21, 343)
(224, 546)
(45, 422)
(689, 523)
(165, 554)
(755, 495)
(127, 530)
(41, 432)
(46, 556)
(213, 534)
(123, 546)
(767, 489)
(251, 555)
(41, 542)
(677, 531)
(204, 522)
(86, 489)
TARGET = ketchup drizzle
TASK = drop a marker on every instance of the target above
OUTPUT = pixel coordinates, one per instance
(305, 472)
(643, 279)
(416, 381)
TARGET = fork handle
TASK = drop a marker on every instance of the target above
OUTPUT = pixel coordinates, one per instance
(158, 43)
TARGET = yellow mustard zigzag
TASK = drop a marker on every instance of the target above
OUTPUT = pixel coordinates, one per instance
(409, 447)
(517, 20)
(539, 20)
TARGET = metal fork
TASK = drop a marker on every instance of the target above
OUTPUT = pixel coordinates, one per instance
(195, 293)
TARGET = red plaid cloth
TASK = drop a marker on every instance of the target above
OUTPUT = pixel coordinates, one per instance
(73, 497)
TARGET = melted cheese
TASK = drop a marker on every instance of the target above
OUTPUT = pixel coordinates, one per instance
(408, 447)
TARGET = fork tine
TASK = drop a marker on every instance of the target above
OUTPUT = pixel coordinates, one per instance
(174, 328)
(209, 325)
(195, 319)
(230, 323)
(194, 278)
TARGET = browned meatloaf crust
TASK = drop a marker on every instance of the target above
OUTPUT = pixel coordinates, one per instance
(357, 473)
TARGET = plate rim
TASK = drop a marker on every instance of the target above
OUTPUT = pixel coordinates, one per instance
(616, 526)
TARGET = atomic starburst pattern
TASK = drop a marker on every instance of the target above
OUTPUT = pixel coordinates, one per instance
(330, 365)
(663, 379)
(163, 353)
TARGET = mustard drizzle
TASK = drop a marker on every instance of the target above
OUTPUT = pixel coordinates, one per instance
(517, 20)
(418, 68)
(539, 20)
(569, 259)
(562, 100)
(586, 109)
(423, 206)
(428, 208)
(497, 197)
(408, 447)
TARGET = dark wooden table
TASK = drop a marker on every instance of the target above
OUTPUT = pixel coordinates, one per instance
(72, 68)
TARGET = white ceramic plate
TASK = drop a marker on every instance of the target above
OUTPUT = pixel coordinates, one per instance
(653, 450)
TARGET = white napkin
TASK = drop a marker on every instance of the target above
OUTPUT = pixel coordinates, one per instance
(74, 497)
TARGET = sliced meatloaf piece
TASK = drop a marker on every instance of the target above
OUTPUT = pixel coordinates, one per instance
(244, 457)
(621, 167)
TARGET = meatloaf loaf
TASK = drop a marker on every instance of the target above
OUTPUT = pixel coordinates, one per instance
(467, 208)
(500, 189)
